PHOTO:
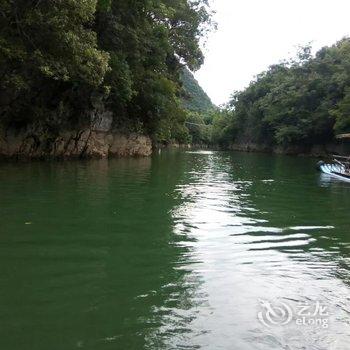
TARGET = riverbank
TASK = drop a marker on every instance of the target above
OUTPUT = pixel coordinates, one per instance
(297, 150)
(99, 141)
(87, 143)
(312, 151)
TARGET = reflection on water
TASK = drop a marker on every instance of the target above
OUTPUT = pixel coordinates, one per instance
(179, 251)
(253, 238)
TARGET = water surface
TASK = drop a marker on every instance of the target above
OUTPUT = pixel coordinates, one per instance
(177, 251)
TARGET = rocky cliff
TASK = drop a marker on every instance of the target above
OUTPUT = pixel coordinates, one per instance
(97, 140)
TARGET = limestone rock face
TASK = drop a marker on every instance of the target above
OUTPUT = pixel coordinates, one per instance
(94, 142)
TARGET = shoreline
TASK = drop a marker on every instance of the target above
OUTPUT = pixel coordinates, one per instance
(90, 144)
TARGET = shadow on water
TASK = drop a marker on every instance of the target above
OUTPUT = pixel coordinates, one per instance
(88, 255)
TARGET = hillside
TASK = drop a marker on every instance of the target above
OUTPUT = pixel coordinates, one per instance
(194, 97)
(83, 66)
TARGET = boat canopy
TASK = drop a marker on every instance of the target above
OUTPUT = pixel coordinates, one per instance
(343, 136)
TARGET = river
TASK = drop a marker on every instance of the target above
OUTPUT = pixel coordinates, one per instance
(182, 250)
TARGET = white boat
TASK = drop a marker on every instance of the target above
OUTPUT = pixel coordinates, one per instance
(339, 168)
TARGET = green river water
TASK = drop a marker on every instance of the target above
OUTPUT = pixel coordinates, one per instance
(183, 250)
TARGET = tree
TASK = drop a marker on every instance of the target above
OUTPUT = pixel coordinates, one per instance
(297, 102)
(60, 59)
(42, 45)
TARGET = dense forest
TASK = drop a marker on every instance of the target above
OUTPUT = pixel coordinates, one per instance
(303, 101)
(62, 59)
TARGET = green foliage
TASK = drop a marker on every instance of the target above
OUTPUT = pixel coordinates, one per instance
(200, 131)
(194, 98)
(200, 109)
(57, 58)
(52, 39)
(104, 5)
(223, 129)
(297, 102)
(342, 113)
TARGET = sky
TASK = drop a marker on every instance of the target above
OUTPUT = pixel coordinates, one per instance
(253, 34)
